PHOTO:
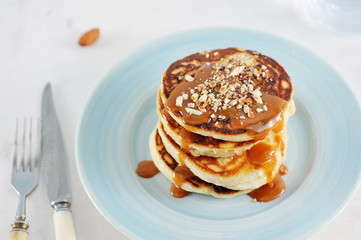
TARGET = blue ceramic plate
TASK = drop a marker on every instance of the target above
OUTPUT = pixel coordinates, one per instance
(323, 155)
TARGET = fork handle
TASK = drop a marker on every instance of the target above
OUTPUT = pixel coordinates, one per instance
(64, 226)
(19, 230)
(18, 235)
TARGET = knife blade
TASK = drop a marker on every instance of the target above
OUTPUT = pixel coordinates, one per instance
(54, 167)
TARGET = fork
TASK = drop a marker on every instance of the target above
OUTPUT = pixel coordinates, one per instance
(25, 178)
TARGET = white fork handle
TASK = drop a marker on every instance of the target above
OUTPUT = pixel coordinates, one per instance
(64, 226)
(18, 235)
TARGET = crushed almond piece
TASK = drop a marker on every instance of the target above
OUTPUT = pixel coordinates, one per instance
(233, 102)
(193, 111)
(203, 98)
(246, 109)
(239, 106)
(188, 78)
(179, 101)
(211, 96)
(194, 97)
(237, 70)
(223, 89)
(257, 93)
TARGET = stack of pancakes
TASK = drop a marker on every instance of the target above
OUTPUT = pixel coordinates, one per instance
(222, 122)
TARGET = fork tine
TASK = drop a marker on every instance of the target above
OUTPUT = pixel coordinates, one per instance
(29, 163)
(15, 148)
(22, 161)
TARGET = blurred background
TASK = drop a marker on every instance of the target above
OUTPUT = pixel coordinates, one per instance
(39, 43)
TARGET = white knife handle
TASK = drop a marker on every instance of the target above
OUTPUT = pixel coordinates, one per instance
(64, 226)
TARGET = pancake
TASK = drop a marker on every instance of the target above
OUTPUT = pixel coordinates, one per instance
(198, 144)
(168, 167)
(229, 94)
(222, 125)
(249, 170)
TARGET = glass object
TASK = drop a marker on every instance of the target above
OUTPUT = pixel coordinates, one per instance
(339, 15)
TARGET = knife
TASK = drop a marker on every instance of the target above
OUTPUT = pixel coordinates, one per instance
(54, 166)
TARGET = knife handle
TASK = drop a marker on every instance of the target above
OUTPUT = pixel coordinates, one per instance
(64, 226)
(18, 235)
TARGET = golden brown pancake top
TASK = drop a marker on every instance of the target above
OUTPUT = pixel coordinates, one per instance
(227, 90)
(280, 85)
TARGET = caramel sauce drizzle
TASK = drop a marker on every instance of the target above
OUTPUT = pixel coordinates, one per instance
(146, 169)
(188, 138)
(177, 192)
(283, 170)
(269, 191)
(234, 118)
(262, 155)
(181, 175)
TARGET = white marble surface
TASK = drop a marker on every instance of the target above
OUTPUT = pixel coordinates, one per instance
(38, 43)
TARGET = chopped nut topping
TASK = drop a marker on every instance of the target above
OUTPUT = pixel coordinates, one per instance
(193, 111)
(189, 78)
(233, 102)
(179, 101)
(194, 97)
(203, 98)
(246, 109)
(232, 83)
(223, 89)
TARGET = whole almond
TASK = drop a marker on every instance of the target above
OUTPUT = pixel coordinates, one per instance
(89, 37)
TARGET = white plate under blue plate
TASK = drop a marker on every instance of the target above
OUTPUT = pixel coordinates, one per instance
(323, 155)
